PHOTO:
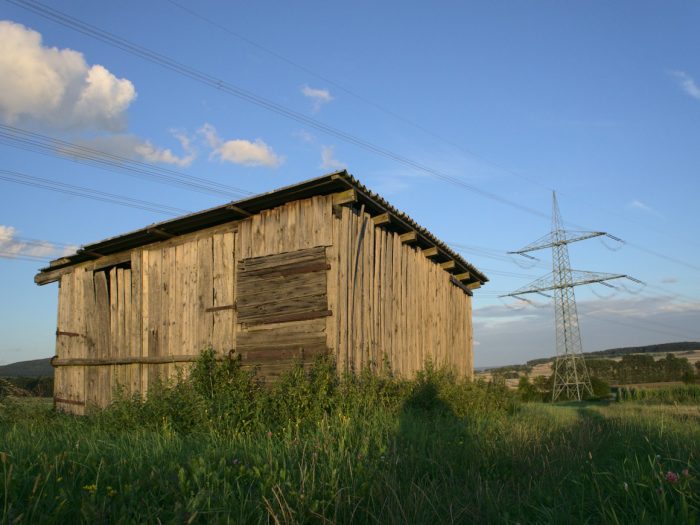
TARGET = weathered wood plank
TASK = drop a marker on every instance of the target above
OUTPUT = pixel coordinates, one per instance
(284, 270)
(288, 318)
(136, 319)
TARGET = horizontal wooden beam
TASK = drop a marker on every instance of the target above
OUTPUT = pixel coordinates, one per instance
(473, 286)
(430, 252)
(345, 197)
(462, 276)
(286, 318)
(68, 334)
(448, 265)
(111, 260)
(287, 269)
(96, 255)
(127, 360)
(160, 233)
(461, 286)
(219, 308)
(381, 220)
(59, 262)
(238, 209)
(408, 237)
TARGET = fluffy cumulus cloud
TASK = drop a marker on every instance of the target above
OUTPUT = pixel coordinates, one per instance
(319, 97)
(328, 160)
(240, 151)
(133, 147)
(687, 83)
(11, 246)
(57, 87)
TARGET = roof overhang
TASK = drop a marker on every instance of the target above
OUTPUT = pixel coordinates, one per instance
(333, 183)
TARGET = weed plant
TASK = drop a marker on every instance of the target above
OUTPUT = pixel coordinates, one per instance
(219, 446)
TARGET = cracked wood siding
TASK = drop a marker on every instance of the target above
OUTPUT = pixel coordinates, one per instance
(392, 304)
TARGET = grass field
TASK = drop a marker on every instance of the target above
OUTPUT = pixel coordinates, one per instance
(435, 451)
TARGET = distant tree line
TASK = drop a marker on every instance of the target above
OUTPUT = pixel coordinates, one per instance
(642, 368)
(684, 346)
(26, 386)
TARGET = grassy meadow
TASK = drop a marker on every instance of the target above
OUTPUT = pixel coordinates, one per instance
(221, 448)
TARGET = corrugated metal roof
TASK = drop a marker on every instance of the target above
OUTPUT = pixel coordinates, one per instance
(236, 210)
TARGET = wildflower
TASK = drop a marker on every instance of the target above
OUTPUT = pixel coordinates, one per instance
(626, 486)
(111, 492)
(671, 476)
(685, 472)
(90, 488)
(236, 461)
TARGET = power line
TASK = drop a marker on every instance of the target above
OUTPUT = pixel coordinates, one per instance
(232, 89)
(395, 115)
(38, 143)
(88, 193)
(23, 257)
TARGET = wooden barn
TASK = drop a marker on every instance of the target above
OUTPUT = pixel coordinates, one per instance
(323, 266)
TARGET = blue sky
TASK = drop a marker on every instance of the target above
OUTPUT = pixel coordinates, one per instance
(600, 101)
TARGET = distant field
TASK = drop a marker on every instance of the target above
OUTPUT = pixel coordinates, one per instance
(429, 453)
(545, 369)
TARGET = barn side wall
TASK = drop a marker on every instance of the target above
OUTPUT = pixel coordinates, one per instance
(392, 305)
(284, 285)
(151, 313)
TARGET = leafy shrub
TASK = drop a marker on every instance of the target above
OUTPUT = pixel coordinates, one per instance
(223, 397)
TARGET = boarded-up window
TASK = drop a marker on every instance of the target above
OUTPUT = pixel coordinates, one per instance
(282, 288)
(282, 306)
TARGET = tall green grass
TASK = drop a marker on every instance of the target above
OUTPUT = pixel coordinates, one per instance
(685, 394)
(219, 447)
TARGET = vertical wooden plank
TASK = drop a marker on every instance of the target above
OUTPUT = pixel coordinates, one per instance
(92, 336)
(114, 346)
(61, 376)
(127, 351)
(155, 290)
(103, 338)
(332, 290)
(145, 317)
(205, 292)
(79, 327)
(121, 312)
(170, 302)
(136, 309)
(224, 320)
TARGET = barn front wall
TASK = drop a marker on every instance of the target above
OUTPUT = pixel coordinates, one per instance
(284, 285)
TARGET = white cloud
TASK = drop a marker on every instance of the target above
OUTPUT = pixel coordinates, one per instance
(687, 83)
(56, 87)
(328, 160)
(240, 151)
(318, 96)
(305, 136)
(133, 147)
(11, 246)
(638, 205)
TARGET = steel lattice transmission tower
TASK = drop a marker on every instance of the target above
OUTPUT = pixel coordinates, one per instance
(571, 379)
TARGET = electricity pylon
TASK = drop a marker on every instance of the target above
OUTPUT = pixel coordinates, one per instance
(570, 373)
